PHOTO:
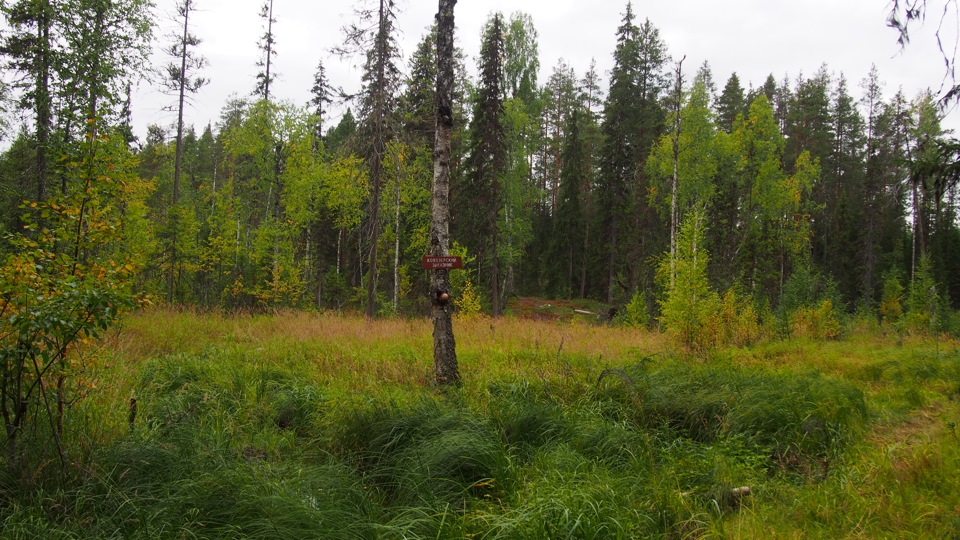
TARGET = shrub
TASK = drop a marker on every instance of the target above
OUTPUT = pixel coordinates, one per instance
(891, 302)
(60, 289)
(466, 298)
(468, 301)
(809, 305)
(635, 313)
(689, 304)
(923, 315)
(818, 322)
(738, 323)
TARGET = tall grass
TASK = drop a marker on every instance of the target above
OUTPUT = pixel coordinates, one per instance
(318, 426)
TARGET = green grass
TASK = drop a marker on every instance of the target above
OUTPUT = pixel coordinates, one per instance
(314, 426)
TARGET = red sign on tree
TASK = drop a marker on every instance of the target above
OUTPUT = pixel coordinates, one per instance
(439, 263)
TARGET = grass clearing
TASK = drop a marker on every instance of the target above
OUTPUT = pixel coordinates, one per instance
(299, 425)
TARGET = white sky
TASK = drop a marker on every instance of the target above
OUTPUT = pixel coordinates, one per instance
(751, 37)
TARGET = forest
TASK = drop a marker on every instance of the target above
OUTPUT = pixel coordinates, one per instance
(222, 332)
(786, 195)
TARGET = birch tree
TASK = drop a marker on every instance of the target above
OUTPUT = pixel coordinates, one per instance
(444, 345)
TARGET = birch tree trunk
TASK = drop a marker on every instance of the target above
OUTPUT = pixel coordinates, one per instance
(444, 345)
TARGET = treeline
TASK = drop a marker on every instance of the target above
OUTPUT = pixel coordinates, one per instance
(651, 194)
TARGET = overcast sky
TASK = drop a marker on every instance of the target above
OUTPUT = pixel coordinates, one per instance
(753, 38)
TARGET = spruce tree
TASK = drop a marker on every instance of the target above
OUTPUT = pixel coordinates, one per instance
(705, 75)
(419, 99)
(618, 157)
(730, 104)
(873, 187)
(479, 197)
(844, 179)
(633, 121)
(321, 95)
(375, 36)
(568, 235)
(809, 125)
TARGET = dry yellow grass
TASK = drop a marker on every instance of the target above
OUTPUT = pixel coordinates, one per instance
(365, 354)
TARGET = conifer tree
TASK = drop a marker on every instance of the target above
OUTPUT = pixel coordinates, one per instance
(633, 121)
(705, 74)
(567, 238)
(809, 125)
(419, 100)
(375, 36)
(559, 97)
(730, 104)
(873, 186)
(844, 179)
(30, 49)
(479, 196)
(320, 97)
(769, 88)
(923, 167)
(618, 157)
(267, 49)
(591, 99)
(181, 79)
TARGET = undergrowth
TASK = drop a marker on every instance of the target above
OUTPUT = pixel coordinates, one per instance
(266, 436)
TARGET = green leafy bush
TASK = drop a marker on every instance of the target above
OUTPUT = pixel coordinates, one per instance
(61, 288)
(737, 321)
(635, 313)
(810, 305)
(689, 303)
